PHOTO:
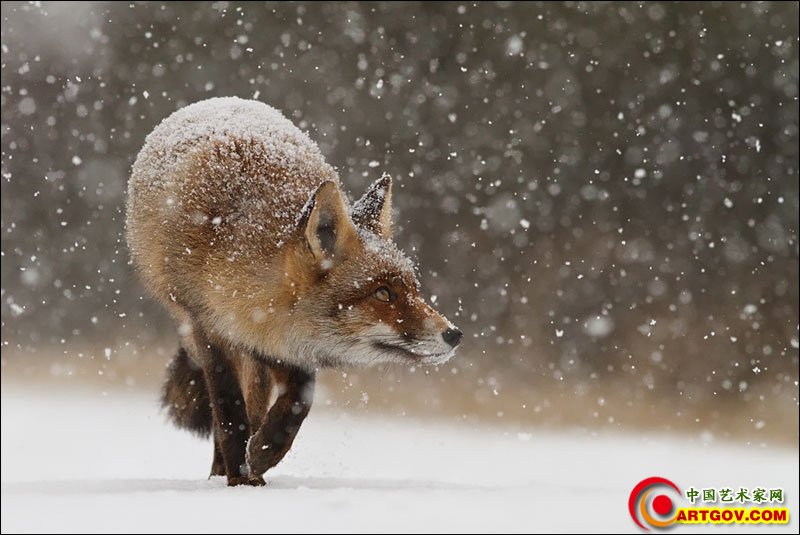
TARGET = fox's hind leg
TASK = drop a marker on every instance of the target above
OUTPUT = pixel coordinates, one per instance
(272, 440)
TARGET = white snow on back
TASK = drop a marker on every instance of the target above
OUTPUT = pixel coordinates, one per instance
(219, 119)
(283, 167)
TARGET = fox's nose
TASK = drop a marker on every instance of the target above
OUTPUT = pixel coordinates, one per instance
(452, 337)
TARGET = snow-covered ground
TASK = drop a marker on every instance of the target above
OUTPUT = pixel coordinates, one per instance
(95, 463)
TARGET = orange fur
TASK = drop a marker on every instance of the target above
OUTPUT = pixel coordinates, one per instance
(218, 234)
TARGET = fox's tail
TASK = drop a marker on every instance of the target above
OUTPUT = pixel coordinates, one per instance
(185, 395)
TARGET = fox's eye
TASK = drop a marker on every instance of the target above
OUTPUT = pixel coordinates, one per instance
(383, 294)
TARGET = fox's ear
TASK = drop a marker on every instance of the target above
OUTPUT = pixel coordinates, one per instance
(328, 228)
(373, 211)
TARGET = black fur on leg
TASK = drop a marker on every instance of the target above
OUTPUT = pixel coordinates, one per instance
(185, 395)
(231, 428)
(218, 464)
(273, 440)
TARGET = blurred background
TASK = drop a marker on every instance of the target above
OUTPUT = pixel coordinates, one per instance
(603, 196)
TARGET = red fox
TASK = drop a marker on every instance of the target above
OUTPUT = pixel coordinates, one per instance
(237, 224)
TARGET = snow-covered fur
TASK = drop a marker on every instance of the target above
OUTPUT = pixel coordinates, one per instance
(219, 203)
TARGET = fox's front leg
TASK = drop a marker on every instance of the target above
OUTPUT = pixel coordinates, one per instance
(218, 464)
(228, 412)
(275, 436)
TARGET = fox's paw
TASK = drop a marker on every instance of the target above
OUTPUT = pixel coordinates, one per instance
(251, 481)
(257, 455)
(263, 455)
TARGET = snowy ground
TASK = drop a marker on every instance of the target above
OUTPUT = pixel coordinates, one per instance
(111, 464)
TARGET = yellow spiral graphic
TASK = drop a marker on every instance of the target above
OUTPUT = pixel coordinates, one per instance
(648, 517)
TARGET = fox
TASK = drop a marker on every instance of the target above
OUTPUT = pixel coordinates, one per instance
(238, 226)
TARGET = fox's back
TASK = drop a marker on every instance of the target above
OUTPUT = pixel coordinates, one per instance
(221, 179)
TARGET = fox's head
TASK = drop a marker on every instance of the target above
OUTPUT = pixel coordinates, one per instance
(355, 297)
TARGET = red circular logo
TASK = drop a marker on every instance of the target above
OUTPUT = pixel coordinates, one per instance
(662, 505)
